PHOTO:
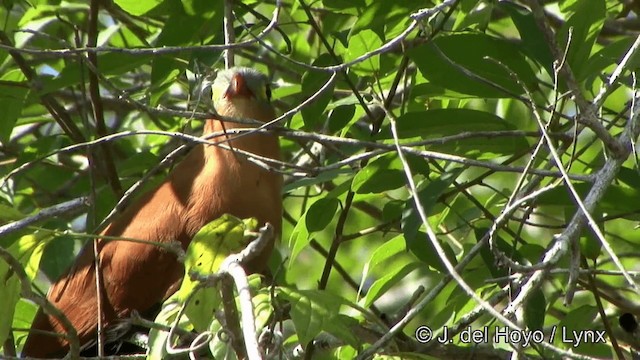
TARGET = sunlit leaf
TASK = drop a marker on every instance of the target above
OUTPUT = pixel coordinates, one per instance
(474, 64)
(585, 25)
(27, 250)
(364, 42)
(137, 7)
(13, 93)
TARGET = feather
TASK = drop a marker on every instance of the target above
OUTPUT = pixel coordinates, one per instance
(209, 182)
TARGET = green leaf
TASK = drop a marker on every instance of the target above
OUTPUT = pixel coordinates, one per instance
(487, 256)
(428, 194)
(23, 318)
(158, 338)
(424, 250)
(182, 28)
(313, 311)
(298, 240)
(164, 72)
(385, 251)
(206, 252)
(402, 356)
(137, 164)
(110, 64)
(615, 200)
(586, 23)
(373, 17)
(263, 312)
(320, 214)
(381, 15)
(340, 117)
(468, 17)
(263, 308)
(316, 218)
(342, 327)
(27, 250)
(607, 57)
(534, 43)
(312, 81)
(629, 177)
(392, 210)
(385, 282)
(310, 181)
(12, 101)
(590, 245)
(343, 5)
(8, 214)
(439, 123)
(580, 318)
(126, 38)
(531, 253)
(386, 173)
(345, 352)
(577, 319)
(137, 7)
(363, 42)
(567, 6)
(57, 256)
(378, 176)
(535, 309)
(9, 296)
(445, 59)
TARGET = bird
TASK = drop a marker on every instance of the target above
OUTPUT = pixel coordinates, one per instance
(209, 182)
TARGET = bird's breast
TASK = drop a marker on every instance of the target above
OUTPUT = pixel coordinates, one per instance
(230, 183)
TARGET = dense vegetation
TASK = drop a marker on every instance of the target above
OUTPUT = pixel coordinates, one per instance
(439, 158)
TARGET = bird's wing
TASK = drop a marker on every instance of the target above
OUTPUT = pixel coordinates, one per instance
(161, 215)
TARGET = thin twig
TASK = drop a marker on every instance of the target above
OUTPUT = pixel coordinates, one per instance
(390, 45)
(66, 208)
(588, 112)
(106, 161)
(231, 266)
(157, 51)
(337, 240)
(332, 53)
(453, 272)
(44, 303)
(231, 319)
(57, 111)
(603, 181)
(229, 34)
(591, 279)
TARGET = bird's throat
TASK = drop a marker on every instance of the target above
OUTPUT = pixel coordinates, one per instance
(243, 109)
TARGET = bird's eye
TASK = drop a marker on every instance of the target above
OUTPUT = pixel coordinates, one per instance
(268, 92)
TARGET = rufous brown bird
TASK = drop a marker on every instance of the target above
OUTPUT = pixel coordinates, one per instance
(209, 182)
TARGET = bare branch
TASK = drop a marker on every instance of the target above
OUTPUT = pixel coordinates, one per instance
(66, 208)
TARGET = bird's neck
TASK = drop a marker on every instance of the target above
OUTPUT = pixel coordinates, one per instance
(216, 126)
(242, 108)
(259, 144)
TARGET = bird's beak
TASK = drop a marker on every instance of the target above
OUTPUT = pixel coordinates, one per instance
(238, 88)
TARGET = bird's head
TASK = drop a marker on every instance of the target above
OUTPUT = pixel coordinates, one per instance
(242, 93)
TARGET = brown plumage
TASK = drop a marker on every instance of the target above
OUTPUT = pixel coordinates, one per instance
(209, 182)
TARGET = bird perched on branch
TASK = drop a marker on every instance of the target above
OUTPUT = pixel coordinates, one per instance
(209, 182)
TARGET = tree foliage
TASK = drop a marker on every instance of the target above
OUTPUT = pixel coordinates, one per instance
(439, 160)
